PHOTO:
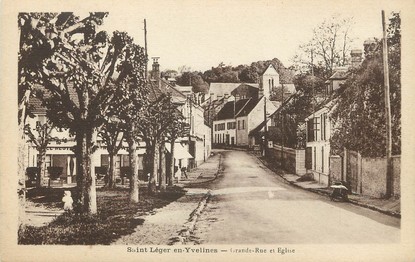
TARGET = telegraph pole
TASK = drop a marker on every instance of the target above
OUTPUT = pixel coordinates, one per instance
(265, 127)
(282, 126)
(145, 45)
(389, 175)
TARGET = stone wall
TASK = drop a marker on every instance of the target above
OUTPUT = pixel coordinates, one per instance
(373, 177)
(335, 168)
(371, 174)
(396, 165)
(289, 155)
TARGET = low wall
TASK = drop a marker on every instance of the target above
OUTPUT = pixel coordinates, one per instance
(335, 166)
(396, 166)
(371, 178)
(293, 160)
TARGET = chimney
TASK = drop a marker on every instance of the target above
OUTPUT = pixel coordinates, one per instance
(356, 55)
(370, 46)
(155, 72)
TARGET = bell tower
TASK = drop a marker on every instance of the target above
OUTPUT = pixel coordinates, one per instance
(269, 80)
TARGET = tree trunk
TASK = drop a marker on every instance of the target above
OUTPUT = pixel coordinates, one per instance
(85, 181)
(171, 167)
(22, 145)
(133, 158)
(162, 181)
(154, 172)
(41, 170)
(111, 171)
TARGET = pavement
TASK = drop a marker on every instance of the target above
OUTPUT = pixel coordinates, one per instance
(174, 223)
(390, 206)
(204, 173)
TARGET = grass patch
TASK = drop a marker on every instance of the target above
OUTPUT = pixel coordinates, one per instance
(116, 217)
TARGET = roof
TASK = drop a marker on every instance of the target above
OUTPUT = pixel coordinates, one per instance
(220, 89)
(269, 68)
(227, 111)
(327, 106)
(248, 107)
(165, 88)
(258, 128)
(339, 75)
(289, 87)
(36, 105)
(184, 89)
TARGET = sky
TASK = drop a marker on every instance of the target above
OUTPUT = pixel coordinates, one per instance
(203, 34)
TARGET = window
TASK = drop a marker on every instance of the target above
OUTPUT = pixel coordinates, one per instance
(243, 124)
(231, 125)
(316, 127)
(310, 131)
(239, 125)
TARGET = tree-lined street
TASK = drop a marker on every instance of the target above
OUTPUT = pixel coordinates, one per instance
(250, 204)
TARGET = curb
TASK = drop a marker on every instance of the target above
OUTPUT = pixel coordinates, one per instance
(354, 202)
(218, 170)
(188, 228)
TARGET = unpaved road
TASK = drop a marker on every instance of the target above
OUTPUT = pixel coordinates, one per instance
(251, 205)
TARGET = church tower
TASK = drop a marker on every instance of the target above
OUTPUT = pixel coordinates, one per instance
(269, 80)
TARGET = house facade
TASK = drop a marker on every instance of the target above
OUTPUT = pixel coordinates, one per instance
(250, 117)
(318, 143)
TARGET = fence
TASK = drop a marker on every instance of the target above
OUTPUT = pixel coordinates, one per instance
(367, 176)
(292, 160)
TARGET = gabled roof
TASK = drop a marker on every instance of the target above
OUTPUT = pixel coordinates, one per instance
(339, 75)
(165, 88)
(35, 104)
(248, 107)
(220, 89)
(258, 128)
(228, 112)
(269, 68)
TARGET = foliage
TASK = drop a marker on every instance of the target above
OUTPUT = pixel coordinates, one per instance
(290, 118)
(330, 44)
(193, 79)
(245, 73)
(79, 69)
(360, 114)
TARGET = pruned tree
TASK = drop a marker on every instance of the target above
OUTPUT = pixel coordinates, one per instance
(78, 76)
(44, 44)
(153, 127)
(177, 128)
(113, 135)
(40, 137)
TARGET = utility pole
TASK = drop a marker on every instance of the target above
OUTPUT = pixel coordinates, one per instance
(282, 126)
(389, 175)
(265, 127)
(145, 46)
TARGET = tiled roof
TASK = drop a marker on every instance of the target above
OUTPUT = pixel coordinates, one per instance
(339, 75)
(220, 89)
(227, 111)
(248, 107)
(36, 104)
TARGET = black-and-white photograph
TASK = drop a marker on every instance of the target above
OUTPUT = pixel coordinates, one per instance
(209, 128)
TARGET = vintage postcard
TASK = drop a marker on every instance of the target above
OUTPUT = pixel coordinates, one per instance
(207, 131)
